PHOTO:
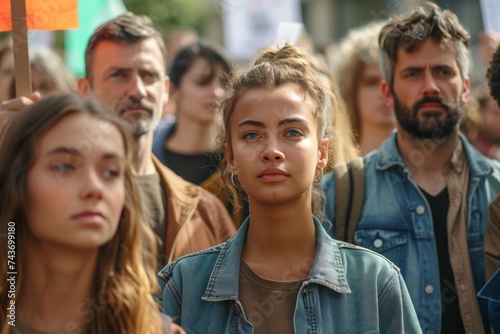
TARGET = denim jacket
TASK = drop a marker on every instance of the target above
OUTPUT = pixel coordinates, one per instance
(349, 290)
(491, 292)
(396, 221)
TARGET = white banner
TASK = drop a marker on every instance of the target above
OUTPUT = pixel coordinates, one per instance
(490, 10)
(252, 24)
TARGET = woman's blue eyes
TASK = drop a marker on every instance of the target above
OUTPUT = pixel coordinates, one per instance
(251, 135)
(289, 133)
(293, 133)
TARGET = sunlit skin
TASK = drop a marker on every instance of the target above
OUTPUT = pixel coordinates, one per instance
(430, 70)
(376, 119)
(194, 99)
(76, 193)
(275, 152)
(131, 80)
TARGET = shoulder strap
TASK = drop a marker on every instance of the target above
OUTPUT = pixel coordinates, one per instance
(349, 197)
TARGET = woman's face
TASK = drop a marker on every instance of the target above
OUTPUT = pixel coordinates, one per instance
(198, 90)
(76, 187)
(42, 83)
(275, 150)
(371, 106)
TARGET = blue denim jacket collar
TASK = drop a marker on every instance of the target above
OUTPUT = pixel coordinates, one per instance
(327, 270)
(389, 156)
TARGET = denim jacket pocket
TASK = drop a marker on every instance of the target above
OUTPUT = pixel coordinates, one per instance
(390, 243)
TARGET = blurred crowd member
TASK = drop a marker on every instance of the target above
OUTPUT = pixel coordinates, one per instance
(6, 68)
(344, 147)
(487, 137)
(175, 40)
(84, 258)
(187, 145)
(356, 68)
(49, 73)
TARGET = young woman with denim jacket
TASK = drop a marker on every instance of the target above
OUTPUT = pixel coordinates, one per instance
(78, 256)
(282, 273)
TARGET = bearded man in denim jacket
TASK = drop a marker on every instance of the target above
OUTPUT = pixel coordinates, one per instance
(427, 190)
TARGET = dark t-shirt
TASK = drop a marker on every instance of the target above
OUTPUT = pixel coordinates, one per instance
(451, 318)
(194, 168)
(154, 209)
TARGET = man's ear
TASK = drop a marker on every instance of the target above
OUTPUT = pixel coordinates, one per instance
(466, 91)
(84, 88)
(385, 89)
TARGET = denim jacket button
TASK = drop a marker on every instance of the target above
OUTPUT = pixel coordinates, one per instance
(377, 243)
(305, 290)
(420, 210)
(236, 309)
(429, 289)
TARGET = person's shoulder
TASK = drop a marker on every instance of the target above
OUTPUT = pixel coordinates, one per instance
(372, 261)
(192, 263)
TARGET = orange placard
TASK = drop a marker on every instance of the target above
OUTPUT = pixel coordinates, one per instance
(43, 14)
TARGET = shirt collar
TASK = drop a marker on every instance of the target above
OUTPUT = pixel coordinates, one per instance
(327, 268)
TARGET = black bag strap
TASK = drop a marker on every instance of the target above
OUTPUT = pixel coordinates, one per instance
(349, 197)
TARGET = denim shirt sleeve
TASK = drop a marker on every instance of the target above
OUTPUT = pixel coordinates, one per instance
(395, 300)
(170, 293)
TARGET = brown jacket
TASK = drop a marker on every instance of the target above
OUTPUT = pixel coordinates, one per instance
(492, 239)
(200, 220)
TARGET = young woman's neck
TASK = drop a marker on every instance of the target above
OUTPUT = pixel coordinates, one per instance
(191, 137)
(279, 239)
(57, 291)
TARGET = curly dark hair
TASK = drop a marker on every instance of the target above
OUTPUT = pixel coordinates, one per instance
(493, 76)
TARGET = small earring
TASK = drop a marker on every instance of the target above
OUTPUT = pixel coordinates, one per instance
(318, 176)
(232, 180)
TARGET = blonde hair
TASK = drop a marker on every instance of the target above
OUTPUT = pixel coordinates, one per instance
(271, 69)
(125, 276)
(356, 51)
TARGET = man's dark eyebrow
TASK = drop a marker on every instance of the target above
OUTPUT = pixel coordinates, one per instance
(413, 68)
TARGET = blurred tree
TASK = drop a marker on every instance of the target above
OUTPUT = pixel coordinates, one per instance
(167, 14)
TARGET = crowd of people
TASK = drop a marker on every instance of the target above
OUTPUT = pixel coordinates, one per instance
(173, 192)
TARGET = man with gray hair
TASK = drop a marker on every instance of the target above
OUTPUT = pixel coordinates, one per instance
(427, 190)
(125, 69)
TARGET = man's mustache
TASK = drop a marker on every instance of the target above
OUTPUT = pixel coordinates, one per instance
(140, 104)
(430, 99)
